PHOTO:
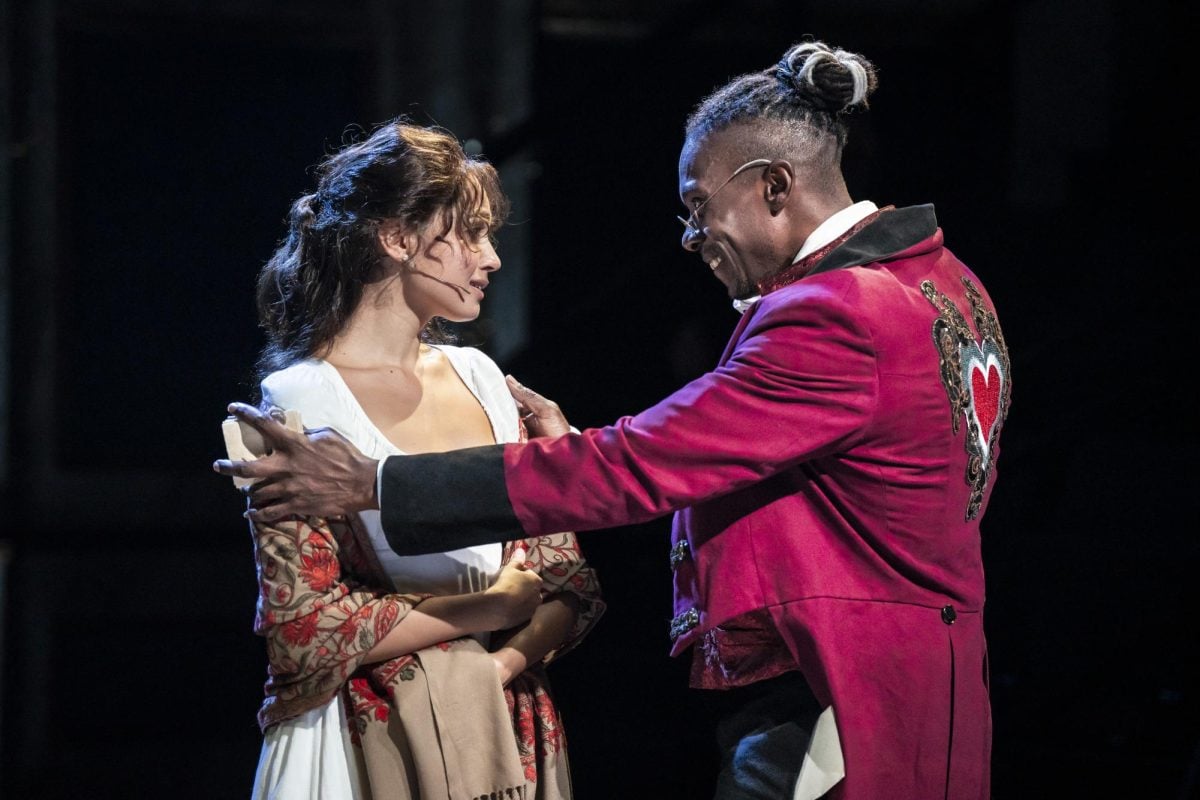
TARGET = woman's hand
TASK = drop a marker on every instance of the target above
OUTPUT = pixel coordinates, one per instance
(509, 664)
(517, 592)
(542, 417)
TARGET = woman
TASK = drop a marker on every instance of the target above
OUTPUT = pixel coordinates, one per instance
(402, 676)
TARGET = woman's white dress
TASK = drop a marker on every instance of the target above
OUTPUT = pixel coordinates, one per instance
(310, 757)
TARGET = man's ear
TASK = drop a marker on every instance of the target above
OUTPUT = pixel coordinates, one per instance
(396, 241)
(781, 182)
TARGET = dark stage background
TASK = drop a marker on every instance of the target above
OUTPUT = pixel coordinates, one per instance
(152, 149)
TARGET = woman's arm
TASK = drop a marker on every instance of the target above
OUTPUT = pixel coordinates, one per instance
(516, 650)
(510, 601)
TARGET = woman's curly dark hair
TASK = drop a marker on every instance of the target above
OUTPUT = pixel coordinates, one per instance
(412, 174)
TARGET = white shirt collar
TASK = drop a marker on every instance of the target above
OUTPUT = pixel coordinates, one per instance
(833, 227)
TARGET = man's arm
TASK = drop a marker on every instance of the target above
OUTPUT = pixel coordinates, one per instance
(317, 473)
(322, 474)
(800, 383)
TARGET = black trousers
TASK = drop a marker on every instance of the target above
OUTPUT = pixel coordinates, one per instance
(762, 733)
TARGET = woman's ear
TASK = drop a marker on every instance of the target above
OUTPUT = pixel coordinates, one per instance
(396, 241)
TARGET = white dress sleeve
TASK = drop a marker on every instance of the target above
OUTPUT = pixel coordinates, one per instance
(305, 388)
(315, 389)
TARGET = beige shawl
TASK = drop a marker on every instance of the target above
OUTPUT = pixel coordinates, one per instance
(435, 724)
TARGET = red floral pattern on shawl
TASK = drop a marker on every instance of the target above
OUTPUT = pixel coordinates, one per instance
(320, 614)
(318, 618)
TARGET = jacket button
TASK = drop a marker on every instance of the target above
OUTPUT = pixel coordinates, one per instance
(949, 615)
(684, 623)
(679, 553)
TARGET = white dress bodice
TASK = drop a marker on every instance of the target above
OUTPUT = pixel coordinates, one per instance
(317, 390)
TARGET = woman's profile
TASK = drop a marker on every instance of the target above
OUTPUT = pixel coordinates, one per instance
(402, 677)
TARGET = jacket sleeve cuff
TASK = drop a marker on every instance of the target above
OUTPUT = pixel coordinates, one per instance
(434, 502)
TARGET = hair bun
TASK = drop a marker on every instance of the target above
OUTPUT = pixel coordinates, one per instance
(831, 79)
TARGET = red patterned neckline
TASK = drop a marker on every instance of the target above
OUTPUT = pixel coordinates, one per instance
(802, 267)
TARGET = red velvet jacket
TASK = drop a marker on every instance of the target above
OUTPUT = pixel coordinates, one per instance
(828, 476)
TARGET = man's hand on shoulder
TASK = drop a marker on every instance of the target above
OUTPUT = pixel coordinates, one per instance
(542, 416)
(315, 473)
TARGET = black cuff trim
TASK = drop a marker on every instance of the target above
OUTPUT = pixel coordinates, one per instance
(435, 502)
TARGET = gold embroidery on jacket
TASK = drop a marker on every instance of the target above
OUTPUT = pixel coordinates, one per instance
(976, 376)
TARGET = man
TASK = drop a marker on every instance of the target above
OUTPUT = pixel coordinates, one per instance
(828, 477)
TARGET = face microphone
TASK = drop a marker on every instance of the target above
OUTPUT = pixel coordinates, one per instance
(462, 290)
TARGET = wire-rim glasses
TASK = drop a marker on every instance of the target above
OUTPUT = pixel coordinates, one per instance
(692, 223)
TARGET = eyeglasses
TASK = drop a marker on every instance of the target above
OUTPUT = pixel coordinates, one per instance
(692, 223)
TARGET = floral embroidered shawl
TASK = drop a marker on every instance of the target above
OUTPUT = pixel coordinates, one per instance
(431, 724)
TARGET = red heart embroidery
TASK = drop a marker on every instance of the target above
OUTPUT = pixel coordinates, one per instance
(985, 396)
